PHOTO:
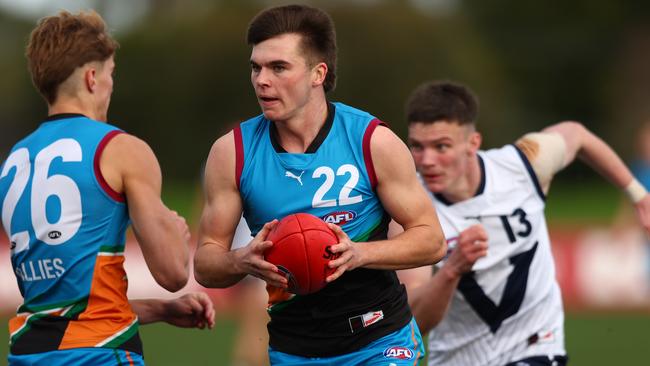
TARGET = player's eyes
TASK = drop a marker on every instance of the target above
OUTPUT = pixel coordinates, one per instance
(279, 68)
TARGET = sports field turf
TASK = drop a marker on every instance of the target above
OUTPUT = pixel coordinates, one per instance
(592, 340)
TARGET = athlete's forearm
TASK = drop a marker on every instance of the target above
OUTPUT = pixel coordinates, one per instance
(417, 246)
(216, 268)
(583, 144)
(148, 310)
(164, 248)
(430, 301)
(602, 158)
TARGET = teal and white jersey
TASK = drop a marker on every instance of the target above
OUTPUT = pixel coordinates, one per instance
(67, 232)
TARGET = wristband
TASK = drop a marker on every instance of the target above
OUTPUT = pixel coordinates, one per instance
(635, 191)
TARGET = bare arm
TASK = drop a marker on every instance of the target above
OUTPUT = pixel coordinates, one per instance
(430, 297)
(215, 265)
(130, 166)
(405, 200)
(581, 143)
(193, 310)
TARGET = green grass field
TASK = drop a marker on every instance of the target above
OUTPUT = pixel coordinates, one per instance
(592, 340)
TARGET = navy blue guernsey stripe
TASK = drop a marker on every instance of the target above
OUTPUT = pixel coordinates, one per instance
(513, 294)
(529, 167)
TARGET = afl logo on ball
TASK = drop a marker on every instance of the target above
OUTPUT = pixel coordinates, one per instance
(400, 353)
(339, 217)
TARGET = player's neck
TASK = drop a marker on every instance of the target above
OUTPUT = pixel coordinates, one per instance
(72, 105)
(468, 184)
(298, 132)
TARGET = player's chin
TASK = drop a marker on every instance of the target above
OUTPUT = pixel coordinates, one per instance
(436, 186)
(271, 114)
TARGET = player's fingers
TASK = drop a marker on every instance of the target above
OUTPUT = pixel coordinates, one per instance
(209, 316)
(261, 265)
(276, 279)
(344, 258)
(338, 231)
(340, 247)
(339, 271)
(266, 229)
(208, 310)
(194, 305)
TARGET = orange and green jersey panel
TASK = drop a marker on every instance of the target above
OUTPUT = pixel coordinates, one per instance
(67, 230)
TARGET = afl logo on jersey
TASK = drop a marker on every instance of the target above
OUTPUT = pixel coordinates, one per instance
(339, 217)
(54, 234)
(400, 353)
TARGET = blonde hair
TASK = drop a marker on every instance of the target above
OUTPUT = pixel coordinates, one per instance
(61, 43)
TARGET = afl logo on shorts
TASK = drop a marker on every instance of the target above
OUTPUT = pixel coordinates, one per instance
(339, 217)
(400, 353)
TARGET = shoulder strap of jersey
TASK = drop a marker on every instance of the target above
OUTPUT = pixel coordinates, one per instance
(367, 155)
(239, 154)
(119, 197)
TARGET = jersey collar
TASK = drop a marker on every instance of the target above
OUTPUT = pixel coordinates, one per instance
(320, 137)
(59, 116)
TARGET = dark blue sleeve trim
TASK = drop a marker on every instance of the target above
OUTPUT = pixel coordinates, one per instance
(529, 167)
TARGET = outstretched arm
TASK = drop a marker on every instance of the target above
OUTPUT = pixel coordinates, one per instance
(194, 310)
(576, 141)
(405, 200)
(430, 297)
(215, 265)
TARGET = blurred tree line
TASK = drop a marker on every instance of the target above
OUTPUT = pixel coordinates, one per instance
(183, 76)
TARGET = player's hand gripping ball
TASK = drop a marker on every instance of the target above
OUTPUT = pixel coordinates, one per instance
(301, 251)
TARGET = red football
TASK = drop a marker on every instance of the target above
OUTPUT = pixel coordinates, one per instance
(301, 250)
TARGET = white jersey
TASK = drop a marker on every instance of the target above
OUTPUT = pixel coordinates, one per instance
(510, 306)
(242, 235)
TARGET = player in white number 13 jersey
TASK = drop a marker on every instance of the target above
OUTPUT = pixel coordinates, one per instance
(494, 300)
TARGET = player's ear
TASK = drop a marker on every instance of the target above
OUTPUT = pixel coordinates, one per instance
(475, 140)
(318, 74)
(89, 79)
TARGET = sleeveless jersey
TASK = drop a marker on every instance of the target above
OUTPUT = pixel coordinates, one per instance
(334, 180)
(67, 232)
(509, 307)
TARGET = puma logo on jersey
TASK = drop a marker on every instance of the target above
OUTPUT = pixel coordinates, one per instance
(293, 176)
